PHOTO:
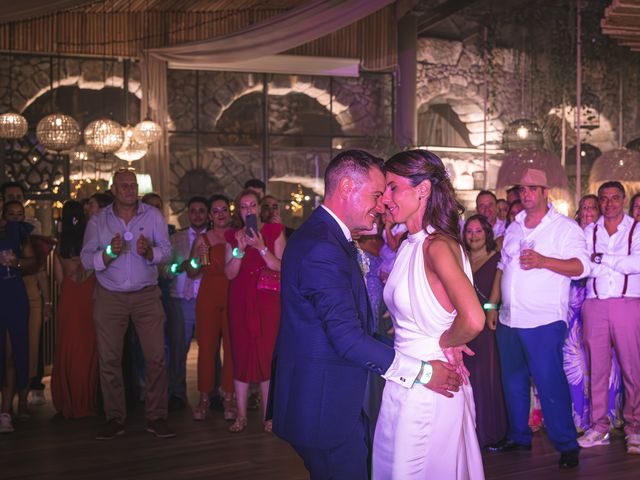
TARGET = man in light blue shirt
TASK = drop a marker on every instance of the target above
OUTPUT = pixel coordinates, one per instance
(123, 244)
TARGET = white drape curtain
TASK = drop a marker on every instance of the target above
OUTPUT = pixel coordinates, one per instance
(301, 25)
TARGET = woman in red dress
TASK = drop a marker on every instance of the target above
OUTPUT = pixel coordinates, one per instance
(254, 314)
(74, 378)
(211, 309)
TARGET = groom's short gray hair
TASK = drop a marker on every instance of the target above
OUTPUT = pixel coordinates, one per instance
(349, 163)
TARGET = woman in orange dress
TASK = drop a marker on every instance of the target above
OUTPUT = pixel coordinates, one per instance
(211, 308)
(254, 314)
(74, 379)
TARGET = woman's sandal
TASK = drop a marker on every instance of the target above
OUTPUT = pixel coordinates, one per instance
(268, 426)
(239, 425)
(200, 410)
(230, 410)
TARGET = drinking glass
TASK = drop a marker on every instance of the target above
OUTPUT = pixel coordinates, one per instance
(6, 256)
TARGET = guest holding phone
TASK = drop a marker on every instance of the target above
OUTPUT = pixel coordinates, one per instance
(252, 264)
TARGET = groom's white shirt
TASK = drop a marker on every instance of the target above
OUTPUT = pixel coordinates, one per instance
(404, 369)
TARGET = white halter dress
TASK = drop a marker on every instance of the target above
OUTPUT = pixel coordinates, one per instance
(421, 434)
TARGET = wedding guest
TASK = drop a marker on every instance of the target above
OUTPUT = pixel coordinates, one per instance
(254, 305)
(74, 378)
(256, 186)
(634, 206)
(487, 205)
(181, 302)
(611, 315)
(123, 244)
(37, 286)
(270, 213)
(503, 208)
(96, 202)
(16, 258)
(484, 367)
(513, 194)
(542, 251)
(212, 323)
(514, 209)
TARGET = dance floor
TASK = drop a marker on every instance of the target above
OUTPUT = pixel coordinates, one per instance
(48, 447)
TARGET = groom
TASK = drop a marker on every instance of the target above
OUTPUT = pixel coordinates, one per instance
(324, 346)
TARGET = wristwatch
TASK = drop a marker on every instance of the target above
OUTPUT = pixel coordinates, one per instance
(597, 258)
(263, 251)
(426, 373)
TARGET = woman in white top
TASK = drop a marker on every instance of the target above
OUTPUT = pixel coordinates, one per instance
(420, 433)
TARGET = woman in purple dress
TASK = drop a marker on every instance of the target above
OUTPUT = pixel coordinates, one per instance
(491, 414)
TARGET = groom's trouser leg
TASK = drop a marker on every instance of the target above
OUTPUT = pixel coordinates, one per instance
(348, 461)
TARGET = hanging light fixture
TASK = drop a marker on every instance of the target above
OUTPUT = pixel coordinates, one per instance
(57, 131)
(12, 124)
(104, 135)
(147, 131)
(132, 149)
(522, 134)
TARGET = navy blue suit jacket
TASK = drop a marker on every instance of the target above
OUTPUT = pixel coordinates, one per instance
(324, 345)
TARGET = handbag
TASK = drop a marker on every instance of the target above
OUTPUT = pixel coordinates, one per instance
(269, 281)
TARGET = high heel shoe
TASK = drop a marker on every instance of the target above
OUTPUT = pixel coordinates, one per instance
(239, 425)
(200, 410)
(230, 410)
(267, 426)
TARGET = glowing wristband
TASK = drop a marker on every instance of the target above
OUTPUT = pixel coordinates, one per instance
(110, 253)
(174, 268)
(236, 253)
(490, 306)
(425, 376)
(194, 263)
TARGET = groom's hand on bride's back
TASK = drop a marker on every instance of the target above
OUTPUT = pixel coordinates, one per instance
(445, 379)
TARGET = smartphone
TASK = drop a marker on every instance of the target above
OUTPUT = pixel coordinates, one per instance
(252, 225)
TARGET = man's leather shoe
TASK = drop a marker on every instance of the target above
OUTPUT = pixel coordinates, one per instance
(506, 445)
(568, 459)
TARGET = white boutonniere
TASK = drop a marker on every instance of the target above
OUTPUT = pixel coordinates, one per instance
(363, 261)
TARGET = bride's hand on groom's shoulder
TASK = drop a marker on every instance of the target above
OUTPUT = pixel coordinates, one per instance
(445, 379)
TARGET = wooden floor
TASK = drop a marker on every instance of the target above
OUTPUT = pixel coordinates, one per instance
(48, 447)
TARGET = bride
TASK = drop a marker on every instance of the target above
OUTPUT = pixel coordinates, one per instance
(421, 434)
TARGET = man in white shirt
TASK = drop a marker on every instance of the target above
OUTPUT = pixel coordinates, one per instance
(181, 308)
(542, 252)
(487, 206)
(611, 315)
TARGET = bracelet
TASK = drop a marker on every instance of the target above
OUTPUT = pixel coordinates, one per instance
(237, 253)
(194, 263)
(263, 251)
(490, 306)
(109, 252)
(425, 374)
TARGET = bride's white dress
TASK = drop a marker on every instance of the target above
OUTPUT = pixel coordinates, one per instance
(421, 434)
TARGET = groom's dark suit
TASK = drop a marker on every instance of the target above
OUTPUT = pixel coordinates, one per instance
(324, 346)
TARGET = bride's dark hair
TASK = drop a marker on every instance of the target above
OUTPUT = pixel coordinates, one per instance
(443, 209)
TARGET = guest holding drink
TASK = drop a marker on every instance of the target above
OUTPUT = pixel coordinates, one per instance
(16, 259)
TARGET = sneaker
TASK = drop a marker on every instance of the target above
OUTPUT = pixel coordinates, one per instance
(37, 398)
(633, 443)
(111, 430)
(160, 428)
(593, 438)
(6, 426)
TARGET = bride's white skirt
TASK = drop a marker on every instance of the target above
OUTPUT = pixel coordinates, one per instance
(423, 435)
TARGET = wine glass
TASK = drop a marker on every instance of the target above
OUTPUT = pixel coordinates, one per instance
(7, 256)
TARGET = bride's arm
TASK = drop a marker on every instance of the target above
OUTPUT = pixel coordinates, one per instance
(446, 265)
